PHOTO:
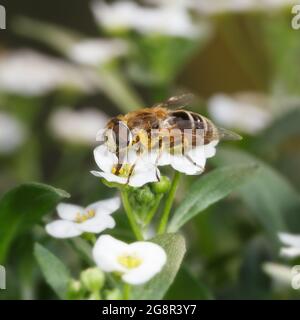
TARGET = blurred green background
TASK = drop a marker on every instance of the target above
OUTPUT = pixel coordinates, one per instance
(243, 67)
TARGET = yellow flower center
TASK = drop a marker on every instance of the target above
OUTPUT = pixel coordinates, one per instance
(123, 172)
(81, 217)
(130, 261)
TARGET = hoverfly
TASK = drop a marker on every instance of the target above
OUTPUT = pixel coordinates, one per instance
(165, 127)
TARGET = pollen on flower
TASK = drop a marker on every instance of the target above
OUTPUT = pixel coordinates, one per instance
(82, 217)
(124, 171)
(129, 261)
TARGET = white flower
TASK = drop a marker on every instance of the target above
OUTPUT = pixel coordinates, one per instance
(247, 112)
(171, 21)
(210, 7)
(177, 3)
(292, 243)
(95, 52)
(138, 262)
(76, 220)
(77, 127)
(12, 133)
(135, 171)
(281, 274)
(28, 73)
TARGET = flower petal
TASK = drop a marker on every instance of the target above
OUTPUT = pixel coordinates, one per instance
(104, 158)
(153, 259)
(144, 173)
(63, 229)
(290, 239)
(210, 149)
(68, 211)
(198, 156)
(291, 252)
(97, 224)
(182, 164)
(107, 206)
(109, 177)
(106, 252)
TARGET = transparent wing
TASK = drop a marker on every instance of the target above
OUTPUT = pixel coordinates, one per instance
(225, 134)
(177, 102)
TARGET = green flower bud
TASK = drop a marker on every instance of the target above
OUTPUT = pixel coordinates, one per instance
(145, 195)
(75, 290)
(92, 279)
(162, 186)
(114, 294)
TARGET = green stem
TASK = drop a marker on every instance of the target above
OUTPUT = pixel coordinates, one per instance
(58, 38)
(153, 211)
(118, 90)
(130, 215)
(168, 205)
(127, 291)
(89, 237)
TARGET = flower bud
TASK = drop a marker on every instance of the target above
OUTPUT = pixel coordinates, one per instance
(92, 279)
(75, 290)
(145, 195)
(114, 294)
(162, 186)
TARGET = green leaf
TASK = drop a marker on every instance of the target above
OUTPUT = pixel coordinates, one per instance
(54, 271)
(22, 207)
(209, 189)
(279, 132)
(188, 287)
(269, 195)
(253, 283)
(157, 287)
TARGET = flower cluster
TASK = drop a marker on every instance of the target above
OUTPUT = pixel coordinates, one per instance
(292, 245)
(126, 15)
(137, 262)
(12, 133)
(28, 73)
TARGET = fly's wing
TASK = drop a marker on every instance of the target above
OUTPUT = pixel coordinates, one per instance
(225, 134)
(177, 102)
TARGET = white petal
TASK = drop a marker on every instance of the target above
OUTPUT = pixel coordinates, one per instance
(198, 156)
(182, 164)
(107, 206)
(104, 158)
(153, 259)
(106, 252)
(68, 211)
(210, 149)
(109, 177)
(95, 52)
(97, 224)
(291, 252)
(280, 273)
(164, 159)
(144, 173)
(290, 239)
(63, 229)
(139, 180)
(12, 134)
